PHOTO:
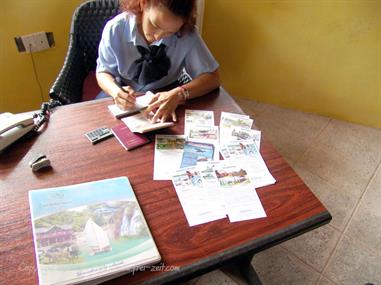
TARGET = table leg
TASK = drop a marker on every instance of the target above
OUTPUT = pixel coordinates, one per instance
(244, 269)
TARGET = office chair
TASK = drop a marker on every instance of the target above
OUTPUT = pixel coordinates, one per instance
(85, 34)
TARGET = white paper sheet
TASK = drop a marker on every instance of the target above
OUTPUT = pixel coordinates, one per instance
(235, 134)
(241, 199)
(205, 134)
(138, 123)
(168, 155)
(198, 118)
(197, 198)
(246, 153)
(230, 120)
(213, 190)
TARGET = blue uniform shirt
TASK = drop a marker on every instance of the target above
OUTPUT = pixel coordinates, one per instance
(117, 51)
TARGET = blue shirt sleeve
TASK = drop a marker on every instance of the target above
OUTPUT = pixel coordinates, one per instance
(107, 61)
(199, 59)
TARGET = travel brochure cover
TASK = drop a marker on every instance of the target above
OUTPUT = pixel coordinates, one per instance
(87, 231)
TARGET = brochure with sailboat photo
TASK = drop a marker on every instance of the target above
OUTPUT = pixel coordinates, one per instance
(89, 232)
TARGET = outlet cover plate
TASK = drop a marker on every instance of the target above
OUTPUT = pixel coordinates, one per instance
(35, 42)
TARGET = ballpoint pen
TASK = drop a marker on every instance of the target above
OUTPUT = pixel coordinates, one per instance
(117, 82)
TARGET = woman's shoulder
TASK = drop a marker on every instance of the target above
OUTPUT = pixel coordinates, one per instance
(119, 25)
(190, 38)
(120, 21)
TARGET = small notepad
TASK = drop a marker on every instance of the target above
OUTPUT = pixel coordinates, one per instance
(141, 103)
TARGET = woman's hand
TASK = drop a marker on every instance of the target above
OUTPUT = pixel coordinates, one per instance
(124, 97)
(164, 104)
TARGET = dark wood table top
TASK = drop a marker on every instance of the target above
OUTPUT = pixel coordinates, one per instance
(290, 205)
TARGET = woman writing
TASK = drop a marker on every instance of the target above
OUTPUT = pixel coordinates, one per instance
(146, 48)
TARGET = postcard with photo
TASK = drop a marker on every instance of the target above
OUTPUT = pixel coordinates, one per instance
(197, 118)
(229, 120)
(206, 134)
(248, 154)
(200, 202)
(195, 152)
(203, 133)
(241, 199)
(168, 154)
(232, 176)
(239, 149)
(168, 142)
(187, 180)
(257, 169)
(240, 134)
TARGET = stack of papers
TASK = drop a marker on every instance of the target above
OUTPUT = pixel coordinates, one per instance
(214, 190)
(236, 127)
(209, 189)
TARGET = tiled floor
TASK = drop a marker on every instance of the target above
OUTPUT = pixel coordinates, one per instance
(341, 163)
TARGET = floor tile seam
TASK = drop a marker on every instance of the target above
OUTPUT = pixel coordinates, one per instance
(314, 139)
(333, 185)
(341, 230)
(324, 276)
(361, 198)
(317, 175)
(337, 229)
(363, 245)
(342, 234)
(301, 260)
(330, 254)
(355, 210)
(318, 280)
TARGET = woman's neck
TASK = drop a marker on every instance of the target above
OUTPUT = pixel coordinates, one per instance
(140, 31)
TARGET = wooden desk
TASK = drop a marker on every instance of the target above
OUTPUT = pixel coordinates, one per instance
(291, 207)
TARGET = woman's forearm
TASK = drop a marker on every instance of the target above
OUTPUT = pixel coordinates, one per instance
(203, 84)
(107, 83)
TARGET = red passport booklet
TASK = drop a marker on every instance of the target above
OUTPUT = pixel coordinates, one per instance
(128, 139)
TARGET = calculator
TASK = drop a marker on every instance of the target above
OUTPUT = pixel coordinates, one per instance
(99, 134)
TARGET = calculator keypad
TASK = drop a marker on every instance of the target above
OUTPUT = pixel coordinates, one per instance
(98, 134)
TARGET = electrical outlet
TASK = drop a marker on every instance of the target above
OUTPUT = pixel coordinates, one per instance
(35, 42)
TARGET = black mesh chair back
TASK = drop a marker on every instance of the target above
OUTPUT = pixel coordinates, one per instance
(87, 25)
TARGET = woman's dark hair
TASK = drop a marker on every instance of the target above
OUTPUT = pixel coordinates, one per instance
(186, 9)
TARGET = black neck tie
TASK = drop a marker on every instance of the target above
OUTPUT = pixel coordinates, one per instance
(151, 66)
